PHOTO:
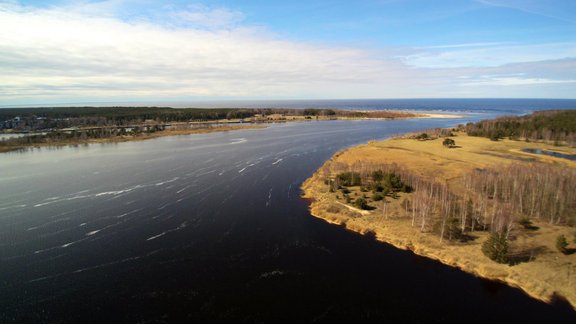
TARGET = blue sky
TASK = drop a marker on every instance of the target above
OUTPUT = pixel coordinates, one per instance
(144, 50)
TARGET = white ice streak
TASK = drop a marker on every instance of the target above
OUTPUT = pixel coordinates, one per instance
(78, 195)
(93, 232)
(238, 141)
(117, 192)
(183, 225)
(129, 213)
(134, 258)
(243, 169)
(167, 181)
(269, 197)
(277, 161)
(156, 236)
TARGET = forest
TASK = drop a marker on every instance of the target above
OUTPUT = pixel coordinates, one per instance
(557, 127)
(498, 200)
(37, 119)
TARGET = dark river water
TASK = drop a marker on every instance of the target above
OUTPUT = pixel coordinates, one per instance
(211, 228)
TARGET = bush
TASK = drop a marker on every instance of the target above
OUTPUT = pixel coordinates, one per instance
(361, 203)
(378, 175)
(422, 137)
(448, 142)
(393, 181)
(496, 247)
(377, 196)
(562, 244)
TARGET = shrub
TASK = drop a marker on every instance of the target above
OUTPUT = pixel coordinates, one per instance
(448, 142)
(562, 244)
(361, 203)
(422, 137)
(496, 247)
(393, 181)
(376, 187)
(377, 175)
(377, 196)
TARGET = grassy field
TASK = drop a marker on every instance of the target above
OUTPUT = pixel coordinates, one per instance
(542, 272)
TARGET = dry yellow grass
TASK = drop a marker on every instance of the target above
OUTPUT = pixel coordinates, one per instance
(548, 272)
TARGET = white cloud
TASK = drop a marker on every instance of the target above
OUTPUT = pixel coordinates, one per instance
(66, 52)
(93, 51)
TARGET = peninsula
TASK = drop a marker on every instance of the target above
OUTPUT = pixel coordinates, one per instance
(34, 127)
(500, 205)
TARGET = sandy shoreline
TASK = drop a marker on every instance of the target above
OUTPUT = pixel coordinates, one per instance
(141, 137)
(550, 274)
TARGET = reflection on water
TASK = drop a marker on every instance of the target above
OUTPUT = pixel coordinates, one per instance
(570, 157)
(212, 228)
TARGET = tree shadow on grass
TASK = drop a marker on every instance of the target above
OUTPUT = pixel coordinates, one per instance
(465, 238)
(569, 251)
(525, 255)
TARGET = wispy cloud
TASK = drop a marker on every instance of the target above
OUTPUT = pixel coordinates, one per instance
(488, 55)
(540, 8)
(203, 16)
(465, 45)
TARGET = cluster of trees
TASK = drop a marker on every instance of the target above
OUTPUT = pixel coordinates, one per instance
(432, 134)
(496, 200)
(379, 183)
(552, 126)
(545, 192)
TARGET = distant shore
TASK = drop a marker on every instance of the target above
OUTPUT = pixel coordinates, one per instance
(546, 275)
(188, 128)
(130, 138)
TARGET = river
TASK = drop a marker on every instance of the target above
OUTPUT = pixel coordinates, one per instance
(211, 228)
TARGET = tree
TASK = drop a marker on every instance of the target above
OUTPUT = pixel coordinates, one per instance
(562, 244)
(496, 247)
(361, 203)
(448, 142)
(422, 137)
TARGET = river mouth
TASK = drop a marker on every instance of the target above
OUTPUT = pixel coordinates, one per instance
(571, 157)
(211, 228)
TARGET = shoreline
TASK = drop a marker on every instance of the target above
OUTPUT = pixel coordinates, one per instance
(223, 125)
(547, 277)
(128, 138)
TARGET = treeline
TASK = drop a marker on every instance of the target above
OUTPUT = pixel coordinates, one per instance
(500, 201)
(558, 127)
(37, 119)
(78, 136)
(154, 113)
